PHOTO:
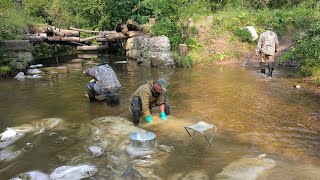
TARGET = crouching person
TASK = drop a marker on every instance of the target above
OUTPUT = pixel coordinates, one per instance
(147, 96)
(104, 86)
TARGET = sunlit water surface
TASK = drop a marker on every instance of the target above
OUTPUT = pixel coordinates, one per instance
(254, 115)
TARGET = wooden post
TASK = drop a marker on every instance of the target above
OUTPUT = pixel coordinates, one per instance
(154, 61)
(152, 21)
(183, 50)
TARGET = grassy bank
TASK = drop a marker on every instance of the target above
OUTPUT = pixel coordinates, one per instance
(219, 37)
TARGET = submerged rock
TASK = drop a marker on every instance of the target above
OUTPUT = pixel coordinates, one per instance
(48, 123)
(9, 154)
(246, 168)
(32, 175)
(14, 134)
(73, 172)
(166, 148)
(96, 151)
(7, 134)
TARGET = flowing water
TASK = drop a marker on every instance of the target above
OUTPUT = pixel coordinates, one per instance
(253, 114)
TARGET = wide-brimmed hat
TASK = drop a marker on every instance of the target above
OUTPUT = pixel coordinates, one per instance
(163, 83)
(268, 27)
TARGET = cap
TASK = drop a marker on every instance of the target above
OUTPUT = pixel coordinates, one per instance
(163, 83)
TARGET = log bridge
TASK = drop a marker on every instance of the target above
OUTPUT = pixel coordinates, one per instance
(71, 36)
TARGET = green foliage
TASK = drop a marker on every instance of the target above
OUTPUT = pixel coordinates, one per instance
(37, 8)
(12, 21)
(243, 34)
(42, 50)
(193, 43)
(21, 62)
(307, 52)
(170, 29)
(182, 61)
(4, 69)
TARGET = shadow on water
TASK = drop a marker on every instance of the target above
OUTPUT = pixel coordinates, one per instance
(254, 114)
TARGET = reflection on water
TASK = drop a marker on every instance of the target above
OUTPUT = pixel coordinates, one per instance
(254, 115)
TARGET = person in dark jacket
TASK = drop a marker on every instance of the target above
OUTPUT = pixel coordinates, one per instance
(105, 84)
(147, 96)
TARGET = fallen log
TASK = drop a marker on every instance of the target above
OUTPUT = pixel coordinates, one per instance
(36, 37)
(90, 38)
(107, 32)
(67, 32)
(74, 39)
(83, 30)
(57, 32)
(92, 47)
(54, 38)
(112, 37)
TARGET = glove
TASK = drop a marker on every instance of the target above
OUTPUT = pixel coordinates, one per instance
(163, 116)
(149, 119)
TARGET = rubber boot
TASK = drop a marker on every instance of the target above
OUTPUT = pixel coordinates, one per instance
(270, 72)
(91, 95)
(166, 104)
(262, 67)
(167, 109)
(136, 108)
(270, 68)
(112, 100)
(136, 116)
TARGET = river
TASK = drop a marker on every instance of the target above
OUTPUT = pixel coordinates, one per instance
(254, 115)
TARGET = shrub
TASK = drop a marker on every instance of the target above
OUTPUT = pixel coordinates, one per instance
(182, 61)
(170, 29)
(193, 43)
(243, 34)
(307, 52)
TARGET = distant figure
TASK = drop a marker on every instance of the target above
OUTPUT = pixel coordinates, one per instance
(118, 27)
(105, 84)
(268, 46)
(148, 96)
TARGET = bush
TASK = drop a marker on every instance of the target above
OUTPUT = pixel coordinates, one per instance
(170, 29)
(182, 61)
(243, 34)
(307, 52)
(4, 69)
(193, 43)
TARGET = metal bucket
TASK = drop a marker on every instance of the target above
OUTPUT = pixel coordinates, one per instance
(142, 141)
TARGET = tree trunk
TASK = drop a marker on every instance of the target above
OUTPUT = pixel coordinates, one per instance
(183, 50)
(74, 39)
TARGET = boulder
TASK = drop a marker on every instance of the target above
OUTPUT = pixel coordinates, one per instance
(246, 168)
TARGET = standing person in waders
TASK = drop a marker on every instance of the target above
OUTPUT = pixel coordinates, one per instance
(268, 46)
